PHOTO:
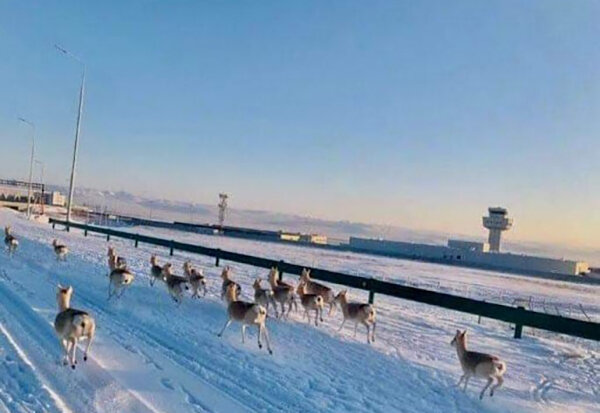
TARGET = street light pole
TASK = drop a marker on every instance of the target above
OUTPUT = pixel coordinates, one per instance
(30, 165)
(77, 130)
(42, 166)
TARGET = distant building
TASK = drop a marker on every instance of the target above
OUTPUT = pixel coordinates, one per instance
(469, 245)
(304, 238)
(475, 254)
(314, 239)
(14, 193)
(54, 198)
(288, 236)
(497, 221)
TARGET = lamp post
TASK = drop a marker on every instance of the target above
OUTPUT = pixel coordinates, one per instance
(30, 164)
(42, 167)
(77, 129)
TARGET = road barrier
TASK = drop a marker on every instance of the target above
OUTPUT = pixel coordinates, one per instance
(518, 316)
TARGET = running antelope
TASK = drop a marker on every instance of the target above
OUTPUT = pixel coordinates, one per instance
(187, 268)
(196, 278)
(72, 325)
(283, 293)
(359, 313)
(227, 281)
(317, 288)
(248, 314)
(311, 302)
(263, 296)
(10, 241)
(60, 250)
(478, 364)
(121, 262)
(175, 283)
(156, 271)
(119, 278)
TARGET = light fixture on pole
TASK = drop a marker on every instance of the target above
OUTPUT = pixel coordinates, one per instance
(77, 129)
(30, 164)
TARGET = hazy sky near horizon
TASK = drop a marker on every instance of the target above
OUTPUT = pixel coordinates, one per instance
(413, 113)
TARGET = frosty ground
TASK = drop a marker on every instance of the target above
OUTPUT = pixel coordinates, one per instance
(152, 356)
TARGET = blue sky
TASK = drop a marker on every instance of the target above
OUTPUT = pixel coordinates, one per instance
(419, 114)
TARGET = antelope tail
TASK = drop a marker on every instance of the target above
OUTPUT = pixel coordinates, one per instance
(79, 320)
(500, 367)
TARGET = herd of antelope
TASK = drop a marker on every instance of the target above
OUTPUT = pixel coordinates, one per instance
(74, 325)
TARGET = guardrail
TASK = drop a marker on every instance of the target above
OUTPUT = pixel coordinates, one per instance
(518, 316)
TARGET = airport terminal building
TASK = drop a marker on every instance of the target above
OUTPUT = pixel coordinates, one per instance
(474, 254)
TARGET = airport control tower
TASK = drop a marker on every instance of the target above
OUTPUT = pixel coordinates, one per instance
(497, 221)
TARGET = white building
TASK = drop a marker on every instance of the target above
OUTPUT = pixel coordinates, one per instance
(469, 245)
(54, 198)
(462, 252)
(497, 221)
(475, 254)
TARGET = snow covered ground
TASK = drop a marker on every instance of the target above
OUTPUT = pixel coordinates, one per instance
(152, 356)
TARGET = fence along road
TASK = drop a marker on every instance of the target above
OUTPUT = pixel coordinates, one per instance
(518, 316)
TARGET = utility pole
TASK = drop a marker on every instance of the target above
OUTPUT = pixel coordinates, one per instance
(30, 165)
(77, 131)
(42, 182)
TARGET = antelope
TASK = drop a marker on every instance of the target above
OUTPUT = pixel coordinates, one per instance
(119, 278)
(60, 250)
(478, 364)
(262, 296)
(156, 271)
(311, 302)
(227, 281)
(187, 268)
(72, 325)
(359, 313)
(121, 262)
(317, 288)
(10, 241)
(282, 293)
(175, 283)
(247, 314)
(196, 278)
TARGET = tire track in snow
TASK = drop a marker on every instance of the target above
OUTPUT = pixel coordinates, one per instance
(36, 340)
(145, 335)
(538, 392)
(59, 402)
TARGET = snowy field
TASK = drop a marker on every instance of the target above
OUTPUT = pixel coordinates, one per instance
(152, 356)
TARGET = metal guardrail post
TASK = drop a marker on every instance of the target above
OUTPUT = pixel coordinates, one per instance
(137, 241)
(107, 237)
(519, 327)
(85, 232)
(371, 292)
(280, 272)
(53, 225)
(218, 257)
(479, 317)
(171, 249)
